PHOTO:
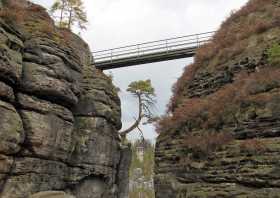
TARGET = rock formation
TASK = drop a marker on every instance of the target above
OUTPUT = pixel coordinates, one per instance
(59, 115)
(221, 136)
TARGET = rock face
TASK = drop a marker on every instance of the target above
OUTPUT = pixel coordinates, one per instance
(51, 194)
(222, 138)
(59, 116)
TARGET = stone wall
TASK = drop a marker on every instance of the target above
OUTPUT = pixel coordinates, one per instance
(59, 116)
(248, 164)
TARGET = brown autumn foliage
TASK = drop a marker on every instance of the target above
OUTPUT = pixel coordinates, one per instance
(253, 146)
(47, 28)
(36, 8)
(191, 112)
(38, 12)
(222, 107)
(256, 17)
(43, 23)
(12, 13)
(65, 34)
(239, 27)
(203, 145)
(188, 75)
(35, 20)
(263, 81)
(244, 99)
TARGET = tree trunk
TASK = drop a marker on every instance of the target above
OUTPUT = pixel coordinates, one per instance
(70, 18)
(137, 121)
(61, 13)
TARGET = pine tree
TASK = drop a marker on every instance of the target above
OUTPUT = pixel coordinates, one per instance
(145, 94)
(68, 13)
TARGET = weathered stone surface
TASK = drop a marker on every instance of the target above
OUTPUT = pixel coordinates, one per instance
(59, 116)
(248, 164)
(92, 187)
(99, 98)
(31, 175)
(6, 92)
(53, 63)
(45, 82)
(47, 51)
(11, 133)
(95, 142)
(89, 107)
(47, 136)
(231, 172)
(123, 175)
(11, 57)
(6, 165)
(51, 194)
(48, 128)
(31, 103)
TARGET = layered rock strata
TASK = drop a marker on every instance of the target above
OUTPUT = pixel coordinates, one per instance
(236, 92)
(59, 116)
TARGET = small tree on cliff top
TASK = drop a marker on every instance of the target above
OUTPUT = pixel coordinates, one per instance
(68, 13)
(145, 94)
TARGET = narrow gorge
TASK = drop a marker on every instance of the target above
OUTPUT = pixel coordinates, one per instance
(60, 116)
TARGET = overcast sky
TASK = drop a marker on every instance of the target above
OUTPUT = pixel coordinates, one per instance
(113, 23)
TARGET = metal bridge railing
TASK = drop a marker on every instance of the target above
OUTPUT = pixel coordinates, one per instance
(160, 46)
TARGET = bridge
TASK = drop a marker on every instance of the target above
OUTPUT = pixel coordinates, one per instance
(149, 52)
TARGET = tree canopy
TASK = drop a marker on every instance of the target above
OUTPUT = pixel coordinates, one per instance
(142, 87)
(68, 13)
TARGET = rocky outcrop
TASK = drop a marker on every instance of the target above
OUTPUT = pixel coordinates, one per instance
(222, 135)
(60, 116)
(123, 176)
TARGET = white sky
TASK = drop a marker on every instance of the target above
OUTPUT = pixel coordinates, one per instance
(113, 23)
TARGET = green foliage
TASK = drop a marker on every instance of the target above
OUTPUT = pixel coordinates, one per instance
(274, 55)
(56, 6)
(144, 193)
(147, 166)
(68, 13)
(111, 77)
(148, 162)
(146, 93)
(142, 86)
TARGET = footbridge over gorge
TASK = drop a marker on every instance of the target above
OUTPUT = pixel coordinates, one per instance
(149, 52)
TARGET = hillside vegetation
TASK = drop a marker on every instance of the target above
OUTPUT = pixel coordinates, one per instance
(220, 135)
(249, 36)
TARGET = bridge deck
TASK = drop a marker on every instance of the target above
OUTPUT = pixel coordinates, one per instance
(156, 51)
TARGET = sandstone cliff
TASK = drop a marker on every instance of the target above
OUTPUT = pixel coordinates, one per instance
(59, 116)
(221, 135)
